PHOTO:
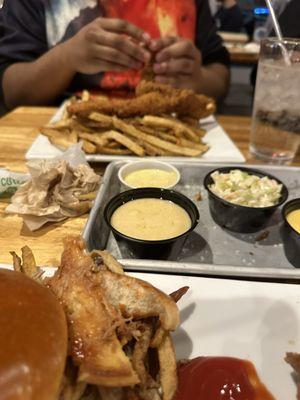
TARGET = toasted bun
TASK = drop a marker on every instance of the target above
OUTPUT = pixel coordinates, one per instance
(33, 339)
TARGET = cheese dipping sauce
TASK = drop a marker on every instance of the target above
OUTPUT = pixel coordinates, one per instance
(151, 219)
(293, 218)
(151, 177)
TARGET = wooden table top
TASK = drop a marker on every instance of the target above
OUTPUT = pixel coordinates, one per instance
(18, 129)
(243, 58)
(241, 55)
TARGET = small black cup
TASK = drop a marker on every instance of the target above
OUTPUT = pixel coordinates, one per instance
(290, 237)
(168, 249)
(239, 218)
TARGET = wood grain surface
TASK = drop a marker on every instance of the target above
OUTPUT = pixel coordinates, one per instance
(17, 131)
(243, 58)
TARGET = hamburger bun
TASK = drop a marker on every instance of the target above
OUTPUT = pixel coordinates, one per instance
(33, 339)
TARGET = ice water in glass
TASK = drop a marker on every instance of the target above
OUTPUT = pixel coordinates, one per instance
(275, 131)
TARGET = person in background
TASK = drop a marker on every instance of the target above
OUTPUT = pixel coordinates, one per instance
(229, 16)
(56, 47)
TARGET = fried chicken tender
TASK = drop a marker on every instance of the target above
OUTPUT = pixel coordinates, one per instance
(153, 99)
(190, 104)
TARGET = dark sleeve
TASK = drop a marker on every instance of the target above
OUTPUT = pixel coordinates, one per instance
(230, 19)
(207, 40)
(22, 33)
(289, 20)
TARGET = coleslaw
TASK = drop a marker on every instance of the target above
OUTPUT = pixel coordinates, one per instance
(242, 188)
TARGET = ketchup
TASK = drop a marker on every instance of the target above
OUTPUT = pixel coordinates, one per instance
(220, 378)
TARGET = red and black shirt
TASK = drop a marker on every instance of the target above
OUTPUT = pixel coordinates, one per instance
(29, 28)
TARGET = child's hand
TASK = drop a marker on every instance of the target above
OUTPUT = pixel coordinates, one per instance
(177, 62)
(107, 45)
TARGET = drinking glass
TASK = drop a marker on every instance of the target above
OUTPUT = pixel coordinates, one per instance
(275, 130)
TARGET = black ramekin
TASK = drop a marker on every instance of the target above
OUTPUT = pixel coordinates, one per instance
(239, 218)
(290, 237)
(168, 249)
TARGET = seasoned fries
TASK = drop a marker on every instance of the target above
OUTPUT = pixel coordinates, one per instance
(141, 135)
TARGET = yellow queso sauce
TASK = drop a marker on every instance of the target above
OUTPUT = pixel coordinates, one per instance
(293, 218)
(150, 178)
(151, 219)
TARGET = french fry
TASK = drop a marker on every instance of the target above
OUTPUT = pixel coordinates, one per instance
(59, 138)
(170, 147)
(125, 141)
(29, 266)
(88, 147)
(92, 126)
(152, 150)
(189, 143)
(168, 368)
(146, 129)
(171, 123)
(105, 120)
(113, 145)
(96, 138)
(168, 137)
(63, 123)
(116, 152)
(81, 125)
(17, 262)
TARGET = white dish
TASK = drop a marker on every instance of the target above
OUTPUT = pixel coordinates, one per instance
(222, 149)
(147, 164)
(257, 321)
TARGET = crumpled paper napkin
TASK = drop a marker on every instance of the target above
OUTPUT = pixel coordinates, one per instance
(56, 189)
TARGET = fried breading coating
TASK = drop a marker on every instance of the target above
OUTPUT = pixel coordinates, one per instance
(152, 98)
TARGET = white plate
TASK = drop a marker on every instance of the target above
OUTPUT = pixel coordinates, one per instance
(257, 321)
(222, 149)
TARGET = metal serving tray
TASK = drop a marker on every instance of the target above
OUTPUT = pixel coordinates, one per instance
(209, 250)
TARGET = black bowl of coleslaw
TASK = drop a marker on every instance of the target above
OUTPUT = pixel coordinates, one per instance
(243, 212)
